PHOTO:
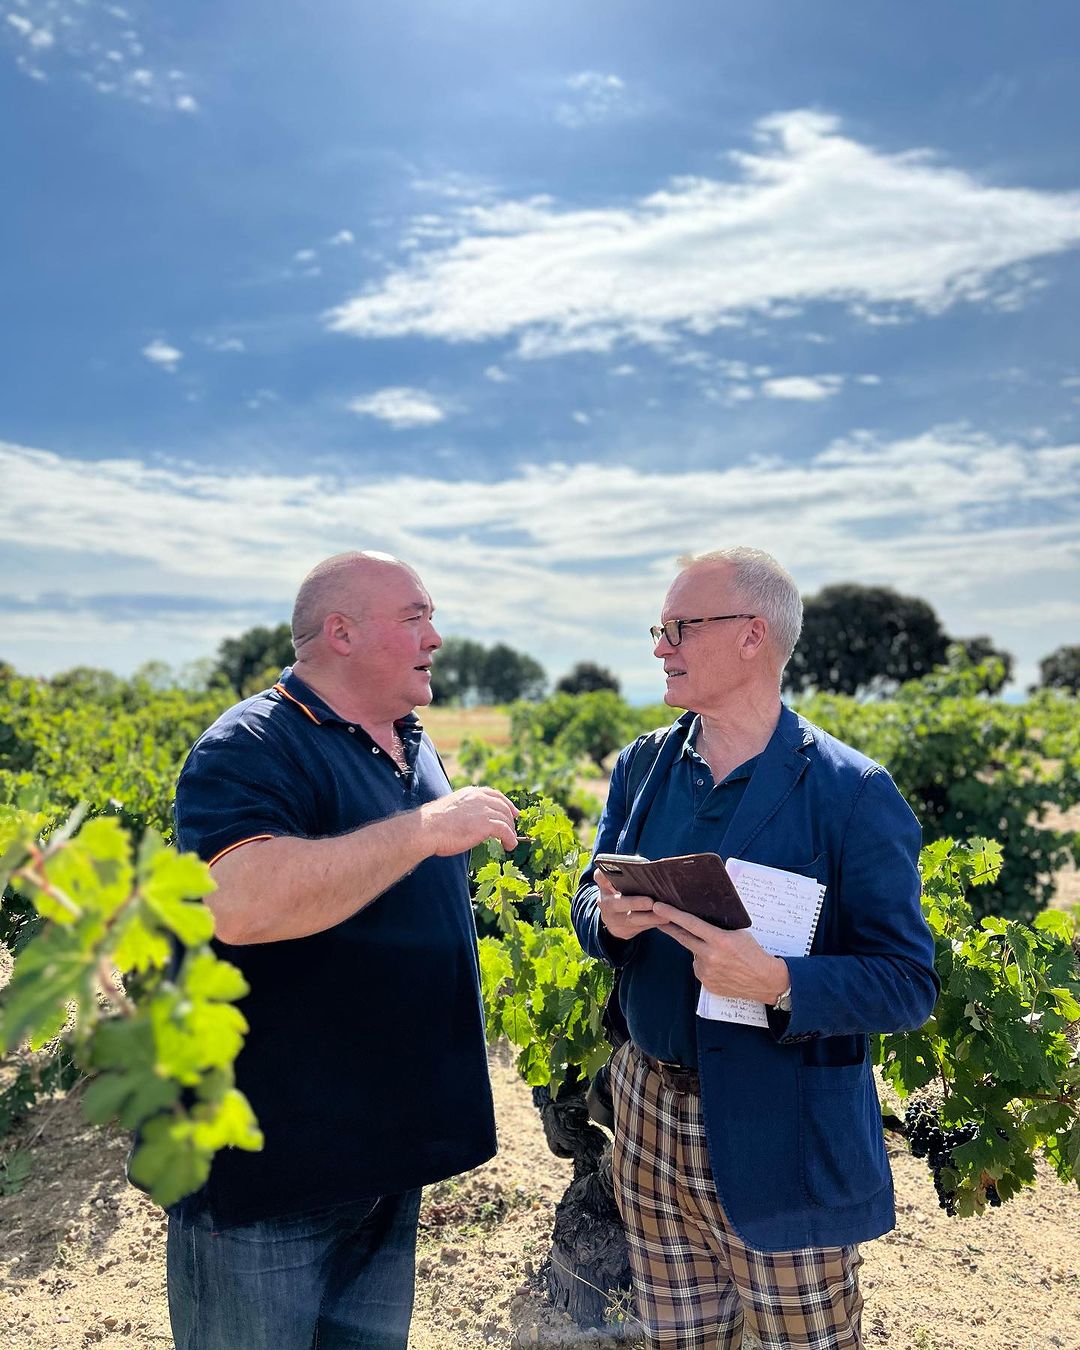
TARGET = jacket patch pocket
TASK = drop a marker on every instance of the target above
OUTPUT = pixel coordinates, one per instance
(842, 1150)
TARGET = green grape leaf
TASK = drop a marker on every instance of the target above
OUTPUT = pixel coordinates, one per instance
(174, 878)
(229, 1122)
(1057, 922)
(168, 1162)
(206, 976)
(139, 947)
(130, 1096)
(50, 972)
(93, 871)
(218, 1030)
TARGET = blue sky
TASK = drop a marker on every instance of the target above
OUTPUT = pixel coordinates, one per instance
(537, 297)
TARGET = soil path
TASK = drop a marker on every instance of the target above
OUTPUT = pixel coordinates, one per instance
(82, 1254)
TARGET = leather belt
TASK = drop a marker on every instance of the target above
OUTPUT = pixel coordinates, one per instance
(677, 1077)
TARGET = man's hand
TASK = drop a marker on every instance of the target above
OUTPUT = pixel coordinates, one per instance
(469, 816)
(624, 916)
(731, 963)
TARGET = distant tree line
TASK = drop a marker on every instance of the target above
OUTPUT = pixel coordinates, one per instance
(858, 640)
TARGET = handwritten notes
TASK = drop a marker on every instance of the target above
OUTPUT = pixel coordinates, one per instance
(784, 909)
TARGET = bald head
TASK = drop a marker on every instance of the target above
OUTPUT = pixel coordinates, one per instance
(339, 585)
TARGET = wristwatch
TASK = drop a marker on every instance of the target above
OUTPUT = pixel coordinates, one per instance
(783, 1003)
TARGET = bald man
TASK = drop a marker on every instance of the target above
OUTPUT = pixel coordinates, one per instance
(339, 853)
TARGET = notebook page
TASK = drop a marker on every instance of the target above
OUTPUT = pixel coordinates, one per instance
(783, 908)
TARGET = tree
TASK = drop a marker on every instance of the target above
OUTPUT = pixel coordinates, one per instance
(88, 683)
(1061, 669)
(856, 638)
(587, 678)
(254, 651)
(457, 671)
(980, 651)
(509, 675)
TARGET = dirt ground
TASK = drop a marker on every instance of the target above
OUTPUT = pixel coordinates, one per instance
(82, 1254)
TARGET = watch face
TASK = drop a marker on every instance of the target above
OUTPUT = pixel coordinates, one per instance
(783, 1003)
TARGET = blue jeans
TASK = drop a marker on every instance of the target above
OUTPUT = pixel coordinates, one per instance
(332, 1279)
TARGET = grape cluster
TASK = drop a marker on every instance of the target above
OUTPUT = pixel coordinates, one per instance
(928, 1138)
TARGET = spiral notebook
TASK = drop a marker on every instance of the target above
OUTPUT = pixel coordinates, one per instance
(784, 909)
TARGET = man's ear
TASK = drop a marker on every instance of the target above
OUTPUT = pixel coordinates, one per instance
(336, 632)
(753, 639)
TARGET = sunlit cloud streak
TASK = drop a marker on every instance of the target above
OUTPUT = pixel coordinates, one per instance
(810, 216)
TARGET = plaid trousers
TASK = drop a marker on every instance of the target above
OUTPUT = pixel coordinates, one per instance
(698, 1286)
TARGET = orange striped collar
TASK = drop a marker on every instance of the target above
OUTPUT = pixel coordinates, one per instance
(279, 688)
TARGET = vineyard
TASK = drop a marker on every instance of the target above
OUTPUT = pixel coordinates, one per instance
(100, 1017)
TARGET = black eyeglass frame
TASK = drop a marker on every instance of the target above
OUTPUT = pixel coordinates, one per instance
(659, 630)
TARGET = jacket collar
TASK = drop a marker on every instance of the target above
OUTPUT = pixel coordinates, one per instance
(782, 763)
(779, 767)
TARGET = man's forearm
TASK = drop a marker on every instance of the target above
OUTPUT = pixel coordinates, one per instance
(275, 889)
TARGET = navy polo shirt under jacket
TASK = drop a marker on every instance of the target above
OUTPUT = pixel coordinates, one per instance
(365, 1061)
(658, 990)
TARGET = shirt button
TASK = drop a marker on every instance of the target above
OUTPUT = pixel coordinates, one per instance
(352, 728)
(374, 749)
(701, 782)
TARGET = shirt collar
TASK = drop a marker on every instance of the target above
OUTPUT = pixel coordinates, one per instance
(743, 770)
(292, 689)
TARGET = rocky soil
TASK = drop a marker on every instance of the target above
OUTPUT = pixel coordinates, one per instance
(82, 1254)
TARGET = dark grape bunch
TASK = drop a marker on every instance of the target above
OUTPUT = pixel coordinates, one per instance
(928, 1138)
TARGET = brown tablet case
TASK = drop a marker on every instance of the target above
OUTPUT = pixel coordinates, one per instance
(696, 882)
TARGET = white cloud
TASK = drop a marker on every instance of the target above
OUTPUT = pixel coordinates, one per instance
(581, 418)
(988, 531)
(496, 375)
(593, 98)
(229, 344)
(342, 237)
(163, 355)
(95, 43)
(807, 388)
(305, 255)
(38, 39)
(400, 407)
(868, 379)
(812, 216)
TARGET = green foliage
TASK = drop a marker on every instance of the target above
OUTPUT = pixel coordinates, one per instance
(539, 989)
(32, 1077)
(861, 637)
(530, 765)
(1061, 669)
(121, 753)
(586, 677)
(457, 671)
(968, 765)
(241, 659)
(1000, 1045)
(980, 651)
(509, 675)
(160, 1063)
(466, 672)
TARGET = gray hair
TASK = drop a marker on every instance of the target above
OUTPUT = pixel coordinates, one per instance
(764, 587)
(323, 591)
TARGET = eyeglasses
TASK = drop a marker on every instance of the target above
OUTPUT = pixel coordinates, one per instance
(672, 628)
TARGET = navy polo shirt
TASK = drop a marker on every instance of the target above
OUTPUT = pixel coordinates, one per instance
(658, 991)
(366, 1060)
